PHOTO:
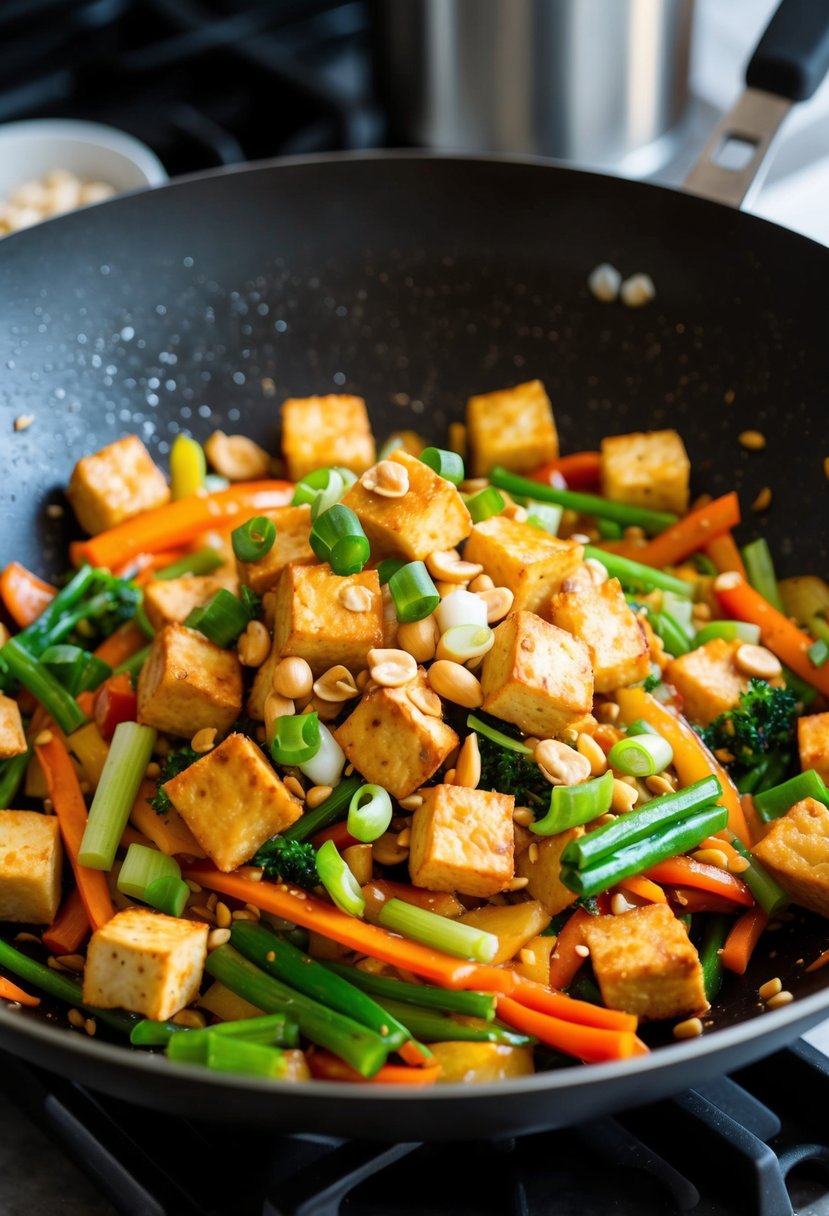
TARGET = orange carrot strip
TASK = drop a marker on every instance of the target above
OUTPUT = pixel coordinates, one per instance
(685, 871)
(69, 928)
(725, 554)
(70, 809)
(11, 992)
(692, 759)
(740, 943)
(413, 1054)
(588, 1043)
(579, 469)
(691, 533)
(568, 1009)
(819, 962)
(121, 645)
(565, 959)
(644, 888)
(24, 594)
(177, 523)
(325, 1067)
(777, 632)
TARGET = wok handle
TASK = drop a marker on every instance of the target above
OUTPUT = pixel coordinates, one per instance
(790, 61)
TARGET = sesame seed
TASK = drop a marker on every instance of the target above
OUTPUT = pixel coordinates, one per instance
(23, 421)
(270, 957)
(527, 957)
(217, 937)
(780, 999)
(243, 914)
(90, 1026)
(44, 737)
(755, 441)
(76, 1019)
(532, 852)
(763, 500)
(770, 988)
(582, 951)
(193, 885)
(518, 884)
(691, 1028)
(223, 917)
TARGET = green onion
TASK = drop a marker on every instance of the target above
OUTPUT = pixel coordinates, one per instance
(716, 931)
(704, 565)
(497, 736)
(609, 530)
(572, 805)
(673, 636)
(124, 768)
(471, 1004)
(397, 440)
(296, 738)
(254, 539)
(338, 880)
(773, 803)
(331, 811)
(485, 504)
(461, 643)
(12, 773)
(638, 576)
(388, 567)
(76, 669)
(448, 465)
(818, 652)
(221, 619)
(61, 986)
(337, 537)
(223, 1054)
(641, 756)
(322, 488)
(766, 890)
(775, 771)
(188, 467)
(462, 941)
(203, 561)
(49, 628)
(269, 1028)
(415, 595)
(369, 813)
(142, 866)
(541, 515)
(326, 767)
(40, 682)
(432, 1026)
(585, 504)
(729, 631)
(132, 666)
(681, 610)
(760, 570)
(167, 894)
(641, 727)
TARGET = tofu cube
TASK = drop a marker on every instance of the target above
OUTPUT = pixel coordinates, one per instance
(312, 622)
(812, 742)
(188, 683)
(708, 680)
(170, 601)
(543, 870)
(393, 743)
(462, 841)
(537, 676)
(292, 546)
(322, 431)
(610, 630)
(115, 484)
(12, 735)
(30, 867)
(528, 560)
(513, 427)
(232, 801)
(647, 469)
(645, 964)
(145, 962)
(795, 851)
(430, 515)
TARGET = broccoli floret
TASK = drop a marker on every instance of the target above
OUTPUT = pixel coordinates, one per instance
(763, 722)
(174, 764)
(292, 861)
(511, 773)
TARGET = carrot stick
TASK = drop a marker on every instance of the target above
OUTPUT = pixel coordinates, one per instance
(70, 926)
(820, 962)
(777, 632)
(692, 759)
(692, 532)
(568, 1009)
(588, 1043)
(24, 594)
(326, 1067)
(70, 809)
(740, 943)
(565, 959)
(338, 832)
(11, 992)
(121, 645)
(579, 469)
(685, 871)
(725, 554)
(177, 523)
(643, 888)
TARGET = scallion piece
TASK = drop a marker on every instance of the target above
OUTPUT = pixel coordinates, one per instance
(585, 504)
(331, 811)
(637, 576)
(388, 567)
(760, 570)
(729, 631)
(448, 465)
(434, 1026)
(497, 736)
(415, 595)
(545, 516)
(296, 738)
(485, 504)
(460, 643)
(338, 880)
(641, 755)
(421, 925)
(716, 931)
(609, 530)
(203, 561)
(42, 684)
(471, 1004)
(128, 757)
(12, 773)
(766, 890)
(142, 866)
(222, 1054)
(221, 619)
(572, 805)
(337, 537)
(76, 669)
(272, 1028)
(818, 652)
(774, 802)
(167, 894)
(326, 766)
(673, 636)
(188, 467)
(369, 813)
(254, 539)
(321, 482)
(681, 610)
(641, 727)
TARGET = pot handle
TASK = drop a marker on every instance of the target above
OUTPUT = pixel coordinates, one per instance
(790, 61)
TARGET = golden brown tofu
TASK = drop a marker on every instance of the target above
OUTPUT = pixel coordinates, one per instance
(513, 427)
(167, 601)
(30, 867)
(647, 469)
(537, 676)
(188, 683)
(115, 484)
(12, 735)
(645, 964)
(795, 851)
(708, 680)
(513, 924)
(481, 1063)
(232, 801)
(603, 620)
(543, 868)
(812, 742)
(528, 560)
(312, 622)
(291, 547)
(392, 743)
(321, 431)
(462, 841)
(430, 516)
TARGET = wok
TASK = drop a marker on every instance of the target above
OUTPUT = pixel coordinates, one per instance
(414, 281)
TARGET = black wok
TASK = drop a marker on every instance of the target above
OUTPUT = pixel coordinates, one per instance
(414, 281)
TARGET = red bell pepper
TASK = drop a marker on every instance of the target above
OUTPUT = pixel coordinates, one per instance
(115, 702)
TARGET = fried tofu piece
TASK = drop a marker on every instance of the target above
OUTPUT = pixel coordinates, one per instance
(537, 676)
(528, 560)
(115, 484)
(188, 683)
(646, 469)
(645, 964)
(543, 869)
(430, 516)
(232, 801)
(513, 427)
(609, 628)
(12, 735)
(462, 841)
(812, 743)
(322, 431)
(146, 962)
(393, 743)
(795, 851)
(30, 867)
(312, 622)
(291, 547)
(170, 601)
(708, 680)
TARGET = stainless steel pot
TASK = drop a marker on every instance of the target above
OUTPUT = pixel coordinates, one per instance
(586, 80)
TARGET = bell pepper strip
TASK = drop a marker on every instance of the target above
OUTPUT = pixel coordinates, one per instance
(324, 1066)
(685, 871)
(725, 554)
(11, 992)
(121, 645)
(568, 1009)
(69, 928)
(692, 759)
(688, 901)
(643, 888)
(338, 832)
(24, 595)
(566, 959)
(692, 532)
(178, 523)
(579, 470)
(592, 1044)
(115, 702)
(70, 809)
(742, 939)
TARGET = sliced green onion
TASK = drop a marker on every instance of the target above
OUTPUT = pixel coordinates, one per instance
(388, 567)
(326, 485)
(573, 805)
(464, 642)
(766, 890)
(254, 539)
(143, 866)
(331, 811)
(641, 727)
(269, 1028)
(167, 894)
(433, 1026)
(636, 575)
(415, 595)
(585, 504)
(40, 682)
(188, 467)
(497, 736)
(641, 756)
(729, 631)
(716, 931)
(12, 773)
(203, 561)
(448, 465)
(337, 537)
(460, 608)
(326, 766)
(471, 1004)
(760, 570)
(681, 610)
(774, 802)
(338, 880)
(485, 504)
(369, 813)
(609, 530)
(542, 515)
(462, 941)
(124, 768)
(221, 619)
(223, 1054)
(296, 738)
(76, 669)
(818, 652)
(673, 636)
